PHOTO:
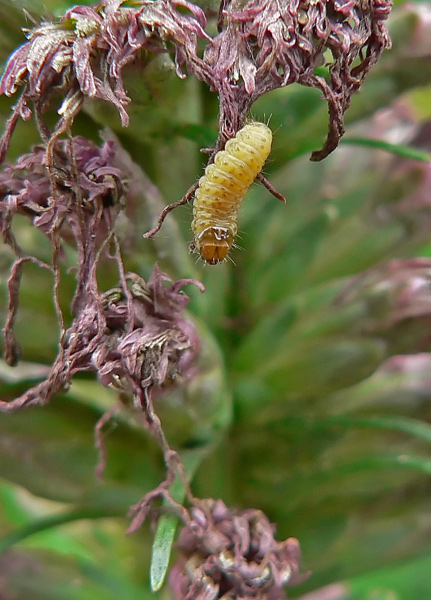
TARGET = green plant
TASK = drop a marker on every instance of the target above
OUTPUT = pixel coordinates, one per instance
(296, 384)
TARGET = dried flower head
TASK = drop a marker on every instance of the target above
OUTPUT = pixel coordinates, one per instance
(75, 198)
(72, 192)
(134, 337)
(161, 347)
(266, 44)
(84, 53)
(261, 45)
(135, 340)
(232, 554)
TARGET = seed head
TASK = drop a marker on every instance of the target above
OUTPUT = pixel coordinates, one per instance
(232, 554)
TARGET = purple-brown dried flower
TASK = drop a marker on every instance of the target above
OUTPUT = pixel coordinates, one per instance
(162, 346)
(75, 198)
(266, 44)
(136, 341)
(134, 337)
(232, 554)
(84, 53)
(261, 45)
(78, 188)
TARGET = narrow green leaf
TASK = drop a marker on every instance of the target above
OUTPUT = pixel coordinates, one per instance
(405, 580)
(52, 521)
(418, 429)
(161, 550)
(379, 462)
(399, 149)
(167, 524)
(414, 427)
(417, 463)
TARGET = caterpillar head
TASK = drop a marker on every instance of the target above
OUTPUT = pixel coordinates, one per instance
(214, 244)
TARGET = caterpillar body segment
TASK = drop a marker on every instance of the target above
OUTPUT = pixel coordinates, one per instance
(223, 187)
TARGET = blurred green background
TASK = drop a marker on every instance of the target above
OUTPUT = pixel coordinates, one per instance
(313, 401)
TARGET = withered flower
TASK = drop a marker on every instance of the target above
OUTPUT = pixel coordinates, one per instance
(78, 188)
(261, 45)
(232, 554)
(134, 337)
(76, 198)
(159, 349)
(266, 44)
(84, 53)
(136, 341)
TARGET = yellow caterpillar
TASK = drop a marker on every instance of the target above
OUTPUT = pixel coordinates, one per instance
(223, 187)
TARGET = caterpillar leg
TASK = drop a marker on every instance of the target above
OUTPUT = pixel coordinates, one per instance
(164, 213)
(271, 188)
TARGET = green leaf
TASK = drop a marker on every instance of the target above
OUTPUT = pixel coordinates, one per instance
(318, 366)
(414, 427)
(167, 524)
(161, 550)
(61, 459)
(405, 580)
(295, 254)
(398, 149)
(409, 426)
(53, 521)
(205, 137)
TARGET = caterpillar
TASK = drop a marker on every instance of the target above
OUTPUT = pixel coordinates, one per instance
(221, 190)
